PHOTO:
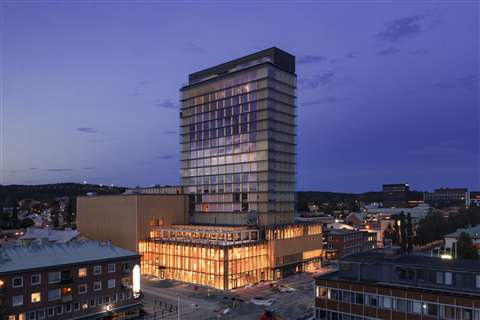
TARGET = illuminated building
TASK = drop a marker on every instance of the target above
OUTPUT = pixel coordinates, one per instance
(238, 140)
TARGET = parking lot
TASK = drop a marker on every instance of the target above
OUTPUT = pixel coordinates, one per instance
(196, 302)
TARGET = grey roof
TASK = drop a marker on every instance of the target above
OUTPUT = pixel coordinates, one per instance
(473, 232)
(18, 258)
(378, 257)
(52, 235)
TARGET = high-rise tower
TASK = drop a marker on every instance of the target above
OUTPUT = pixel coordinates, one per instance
(238, 140)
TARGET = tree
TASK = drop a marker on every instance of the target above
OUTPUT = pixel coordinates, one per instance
(26, 223)
(388, 234)
(54, 215)
(69, 214)
(14, 217)
(465, 247)
(396, 234)
(433, 227)
(409, 233)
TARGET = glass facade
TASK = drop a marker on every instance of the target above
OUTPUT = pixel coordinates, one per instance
(238, 142)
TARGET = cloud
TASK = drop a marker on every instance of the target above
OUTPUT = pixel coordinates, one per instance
(352, 54)
(403, 28)
(310, 59)
(167, 104)
(166, 157)
(318, 101)
(87, 130)
(417, 52)
(468, 82)
(193, 48)
(170, 132)
(316, 81)
(60, 169)
(443, 148)
(33, 168)
(88, 168)
(388, 51)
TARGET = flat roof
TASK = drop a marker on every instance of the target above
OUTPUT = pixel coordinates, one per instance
(36, 256)
(278, 57)
(414, 260)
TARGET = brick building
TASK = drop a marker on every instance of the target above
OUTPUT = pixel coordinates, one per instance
(75, 280)
(382, 285)
(344, 242)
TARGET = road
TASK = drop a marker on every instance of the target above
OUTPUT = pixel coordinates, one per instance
(201, 303)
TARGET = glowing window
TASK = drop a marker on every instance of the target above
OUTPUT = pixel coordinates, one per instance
(82, 272)
(36, 297)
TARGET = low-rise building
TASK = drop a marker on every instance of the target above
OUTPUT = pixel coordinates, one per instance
(74, 280)
(344, 242)
(452, 238)
(447, 197)
(384, 285)
(42, 235)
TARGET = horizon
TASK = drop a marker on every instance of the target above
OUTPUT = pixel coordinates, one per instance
(91, 91)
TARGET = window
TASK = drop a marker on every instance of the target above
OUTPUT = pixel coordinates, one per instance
(41, 314)
(114, 298)
(50, 312)
(106, 299)
(477, 281)
(372, 300)
(54, 277)
(92, 303)
(111, 283)
(82, 272)
(17, 301)
(82, 289)
(68, 308)
(97, 285)
(84, 305)
(76, 306)
(54, 294)
(386, 302)
(59, 310)
(99, 301)
(448, 278)
(32, 315)
(416, 307)
(17, 282)
(439, 277)
(36, 279)
(111, 267)
(36, 297)
(97, 270)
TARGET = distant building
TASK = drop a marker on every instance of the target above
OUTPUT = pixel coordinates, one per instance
(452, 238)
(75, 280)
(447, 197)
(382, 285)
(356, 219)
(417, 213)
(128, 219)
(475, 199)
(156, 190)
(44, 235)
(344, 242)
(395, 195)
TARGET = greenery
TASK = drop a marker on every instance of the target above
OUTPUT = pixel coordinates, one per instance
(465, 247)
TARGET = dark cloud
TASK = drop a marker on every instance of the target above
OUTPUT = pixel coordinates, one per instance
(417, 52)
(400, 29)
(170, 132)
(87, 130)
(322, 100)
(60, 169)
(88, 168)
(167, 104)
(352, 54)
(388, 51)
(309, 59)
(467, 82)
(316, 81)
(32, 168)
(166, 157)
(193, 48)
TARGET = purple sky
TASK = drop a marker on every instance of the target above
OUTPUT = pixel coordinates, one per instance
(386, 92)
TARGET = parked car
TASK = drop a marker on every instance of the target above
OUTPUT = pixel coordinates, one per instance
(285, 288)
(261, 301)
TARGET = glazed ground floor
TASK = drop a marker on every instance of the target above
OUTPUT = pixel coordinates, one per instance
(223, 267)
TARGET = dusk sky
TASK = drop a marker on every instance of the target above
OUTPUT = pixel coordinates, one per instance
(387, 92)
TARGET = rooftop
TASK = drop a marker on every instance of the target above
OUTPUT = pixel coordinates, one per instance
(19, 258)
(473, 232)
(273, 55)
(380, 256)
(61, 236)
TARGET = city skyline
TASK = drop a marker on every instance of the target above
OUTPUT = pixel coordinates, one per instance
(121, 86)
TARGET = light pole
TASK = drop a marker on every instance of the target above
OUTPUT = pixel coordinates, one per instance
(178, 307)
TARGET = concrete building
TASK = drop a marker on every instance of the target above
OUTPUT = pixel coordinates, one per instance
(74, 280)
(127, 219)
(395, 195)
(385, 285)
(447, 197)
